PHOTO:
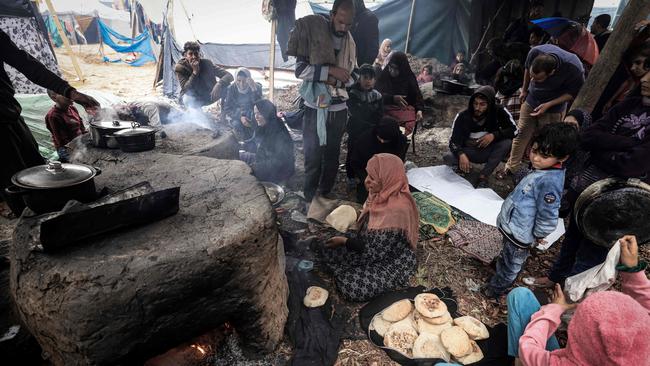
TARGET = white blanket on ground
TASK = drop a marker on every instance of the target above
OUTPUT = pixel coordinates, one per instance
(482, 204)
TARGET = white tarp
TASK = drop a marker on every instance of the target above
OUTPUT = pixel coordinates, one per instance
(482, 204)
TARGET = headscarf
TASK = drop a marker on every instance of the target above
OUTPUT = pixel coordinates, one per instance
(247, 84)
(406, 78)
(274, 125)
(393, 207)
(382, 56)
(577, 40)
(608, 328)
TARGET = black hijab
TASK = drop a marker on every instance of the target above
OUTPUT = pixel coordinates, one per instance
(274, 126)
(404, 83)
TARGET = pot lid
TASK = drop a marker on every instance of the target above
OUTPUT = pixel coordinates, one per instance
(112, 125)
(54, 174)
(135, 130)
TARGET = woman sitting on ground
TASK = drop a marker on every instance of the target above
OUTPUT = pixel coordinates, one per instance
(273, 160)
(380, 257)
(238, 105)
(385, 137)
(607, 328)
(382, 56)
(402, 97)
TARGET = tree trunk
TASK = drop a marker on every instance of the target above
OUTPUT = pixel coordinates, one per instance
(610, 58)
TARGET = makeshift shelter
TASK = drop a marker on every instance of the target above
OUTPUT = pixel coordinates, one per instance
(21, 21)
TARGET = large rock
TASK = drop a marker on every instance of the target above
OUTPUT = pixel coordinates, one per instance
(446, 107)
(126, 296)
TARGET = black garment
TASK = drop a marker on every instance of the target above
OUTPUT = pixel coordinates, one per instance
(365, 32)
(18, 147)
(365, 147)
(620, 76)
(274, 160)
(365, 109)
(321, 162)
(490, 155)
(601, 39)
(404, 84)
(286, 11)
(517, 31)
(498, 121)
(237, 105)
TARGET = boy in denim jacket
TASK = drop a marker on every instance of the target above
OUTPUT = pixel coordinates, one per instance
(530, 213)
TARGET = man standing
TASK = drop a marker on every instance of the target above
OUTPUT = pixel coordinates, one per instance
(519, 29)
(481, 134)
(365, 32)
(18, 147)
(198, 78)
(599, 28)
(326, 56)
(552, 78)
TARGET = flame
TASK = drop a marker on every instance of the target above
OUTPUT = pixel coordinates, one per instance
(199, 348)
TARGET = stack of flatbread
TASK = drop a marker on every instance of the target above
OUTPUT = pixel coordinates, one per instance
(424, 328)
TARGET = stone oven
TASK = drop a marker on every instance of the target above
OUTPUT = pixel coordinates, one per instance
(123, 297)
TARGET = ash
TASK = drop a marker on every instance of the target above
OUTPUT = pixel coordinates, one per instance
(230, 353)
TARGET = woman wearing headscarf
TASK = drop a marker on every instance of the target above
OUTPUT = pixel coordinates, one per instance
(380, 257)
(384, 50)
(399, 87)
(274, 159)
(385, 137)
(238, 105)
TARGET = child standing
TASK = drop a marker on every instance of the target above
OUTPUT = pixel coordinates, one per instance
(530, 213)
(365, 110)
(64, 123)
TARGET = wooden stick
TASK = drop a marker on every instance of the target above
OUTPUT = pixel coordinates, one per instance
(66, 42)
(274, 24)
(487, 29)
(610, 58)
(408, 30)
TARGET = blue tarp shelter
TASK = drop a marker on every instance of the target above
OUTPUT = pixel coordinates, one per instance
(120, 43)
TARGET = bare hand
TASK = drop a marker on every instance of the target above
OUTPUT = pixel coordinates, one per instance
(339, 74)
(245, 121)
(87, 101)
(336, 241)
(485, 140)
(195, 67)
(464, 164)
(541, 109)
(629, 251)
(523, 96)
(418, 116)
(541, 241)
(400, 100)
(559, 299)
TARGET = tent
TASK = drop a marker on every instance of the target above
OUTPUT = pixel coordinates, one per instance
(438, 28)
(20, 20)
(80, 19)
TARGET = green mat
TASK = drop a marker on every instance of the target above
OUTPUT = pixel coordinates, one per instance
(435, 215)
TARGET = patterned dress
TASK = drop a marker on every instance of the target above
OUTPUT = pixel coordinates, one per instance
(385, 263)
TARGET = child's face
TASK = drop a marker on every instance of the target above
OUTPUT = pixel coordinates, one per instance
(638, 67)
(540, 161)
(62, 101)
(460, 57)
(367, 82)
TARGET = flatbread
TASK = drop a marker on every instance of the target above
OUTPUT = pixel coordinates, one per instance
(380, 325)
(342, 218)
(446, 318)
(424, 326)
(315, 297)
(401, 337)
(429, 346)
(430, 305)
(473, 327)
(456, 341)
(397, 311)
(475, 356)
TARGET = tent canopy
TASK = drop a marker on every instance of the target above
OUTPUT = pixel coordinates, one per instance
(85, 13)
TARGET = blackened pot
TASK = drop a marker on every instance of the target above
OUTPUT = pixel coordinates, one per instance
(136, 138)
(102, 133)
(47, 188)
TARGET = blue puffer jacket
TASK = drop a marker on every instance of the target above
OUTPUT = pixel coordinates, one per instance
(531, 211)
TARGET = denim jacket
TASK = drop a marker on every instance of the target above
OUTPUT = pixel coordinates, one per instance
(531, 211)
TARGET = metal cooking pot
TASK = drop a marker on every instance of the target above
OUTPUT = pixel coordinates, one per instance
(136, 138)
(612, 208)
(47, 188)
(102, 132)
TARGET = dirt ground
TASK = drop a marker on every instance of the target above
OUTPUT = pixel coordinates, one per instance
(439, 263)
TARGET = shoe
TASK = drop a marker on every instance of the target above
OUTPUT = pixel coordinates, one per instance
(535, 282)
(487, 291)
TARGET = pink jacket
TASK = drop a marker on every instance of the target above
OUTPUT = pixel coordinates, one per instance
(608, 328)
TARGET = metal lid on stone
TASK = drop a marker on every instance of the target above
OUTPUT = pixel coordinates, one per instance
(112, 125)
(135, 130)
(54, 174)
